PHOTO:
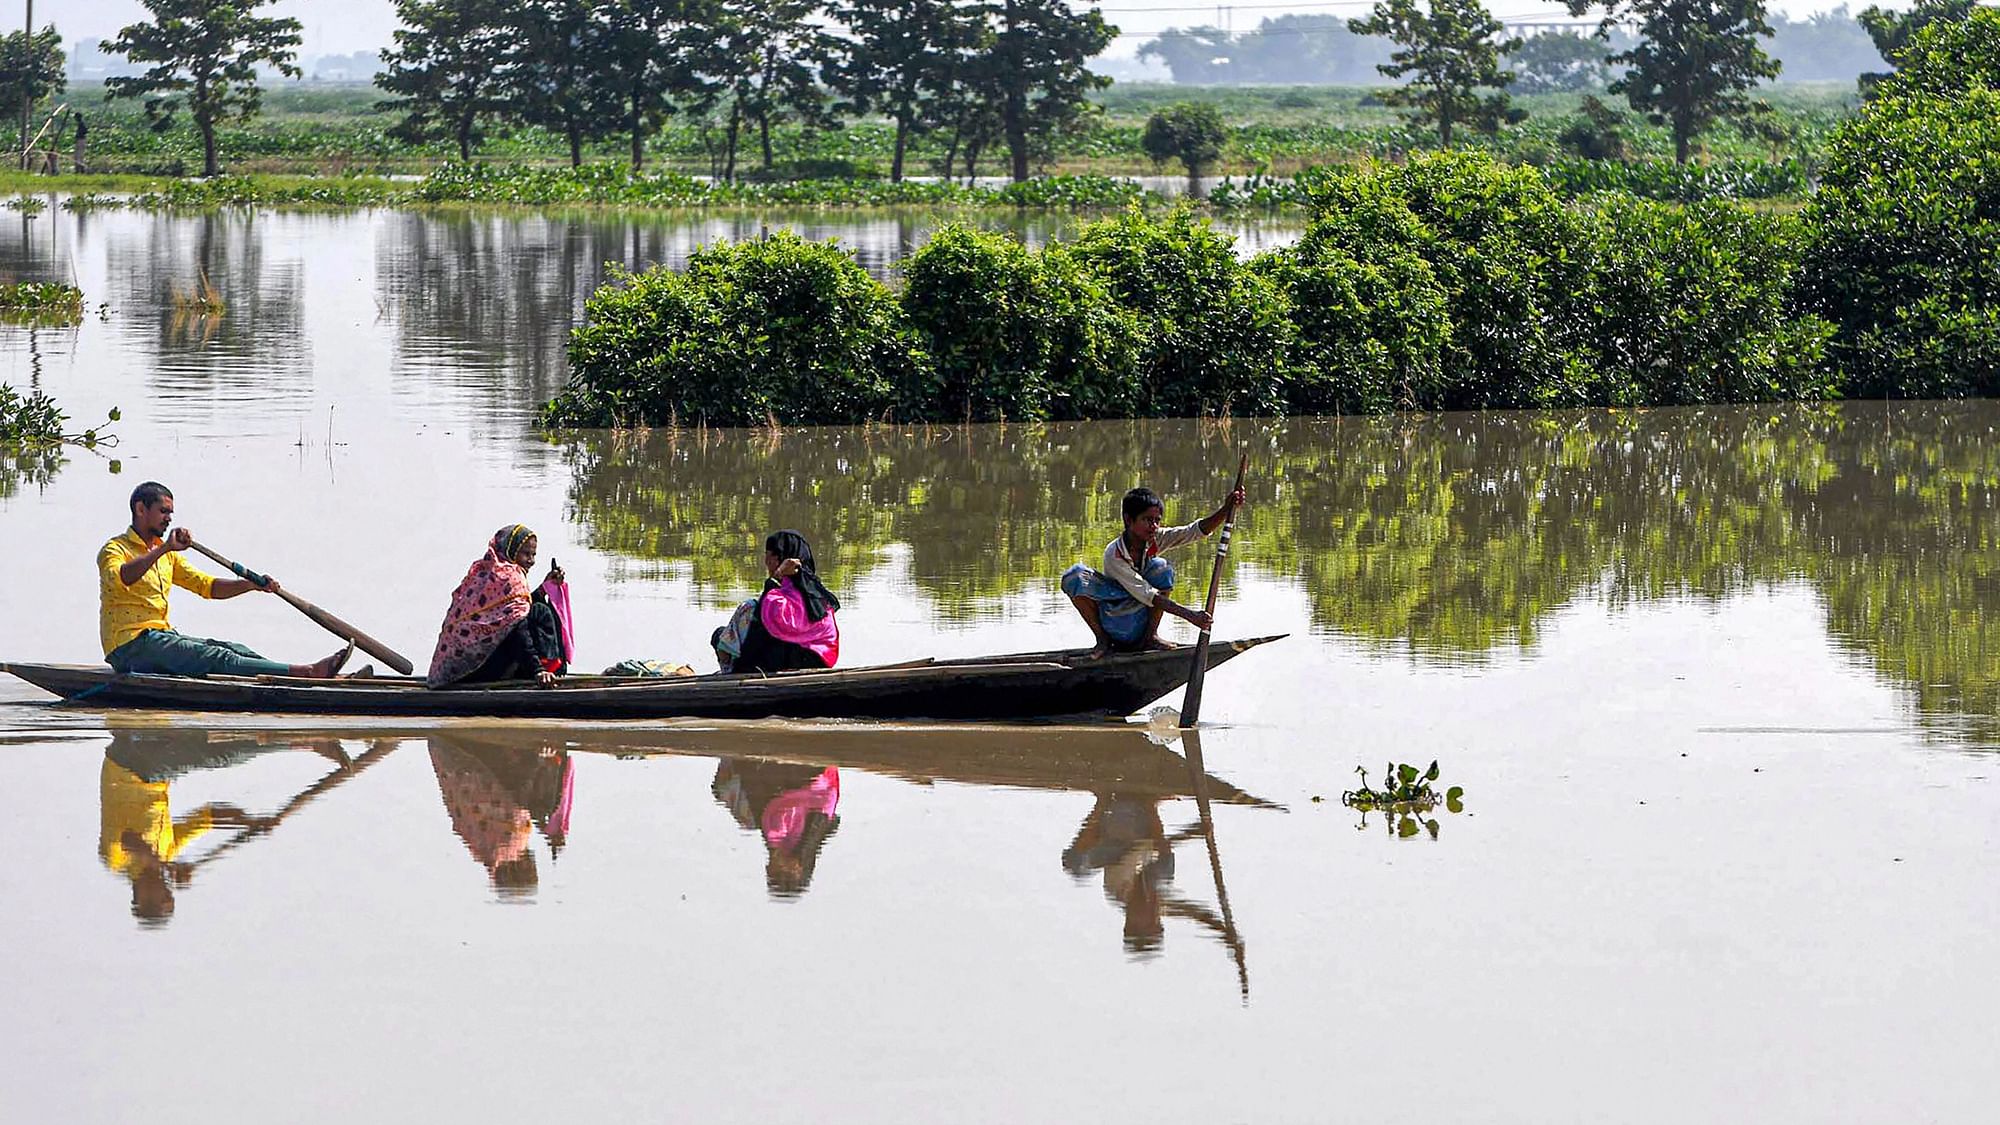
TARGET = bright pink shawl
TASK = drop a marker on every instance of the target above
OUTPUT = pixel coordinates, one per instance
(783, 611)
(490, 601)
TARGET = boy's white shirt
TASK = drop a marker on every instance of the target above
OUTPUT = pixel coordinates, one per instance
(1119, 567)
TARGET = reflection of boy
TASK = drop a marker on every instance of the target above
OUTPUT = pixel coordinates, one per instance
(1123, 602)
(1123, 838)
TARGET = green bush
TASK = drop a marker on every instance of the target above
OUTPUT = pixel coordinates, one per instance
(1372, 319)
(1692, 306)
(1009, 333)
(1903, 236)
(1213, 334)
(1190, 132)
(1512, 257)
(776, 328)
(1947, 58)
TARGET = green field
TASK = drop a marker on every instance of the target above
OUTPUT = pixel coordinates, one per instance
(340, 129)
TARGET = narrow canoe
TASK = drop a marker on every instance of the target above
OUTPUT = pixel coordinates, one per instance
(1034, 685)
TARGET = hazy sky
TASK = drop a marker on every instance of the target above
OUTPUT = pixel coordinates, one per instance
(343, 26)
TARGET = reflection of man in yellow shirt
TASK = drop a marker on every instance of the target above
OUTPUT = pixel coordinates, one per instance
(138, 837)
(134, 573)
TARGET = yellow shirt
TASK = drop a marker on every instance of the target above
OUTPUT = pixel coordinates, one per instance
(129, 803)
(124, 612)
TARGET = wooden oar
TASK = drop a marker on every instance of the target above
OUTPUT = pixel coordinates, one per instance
(1191, 705)
(380, 750)
(320, 617)
(1198, 778)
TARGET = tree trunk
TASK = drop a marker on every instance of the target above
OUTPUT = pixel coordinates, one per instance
(1683, 139)
(729, 145)
(764, 125)
(951, 150)
(575, 142)
(1015, 112)
(465, 138)
(638, 125)
(902, 139)
(209, 165)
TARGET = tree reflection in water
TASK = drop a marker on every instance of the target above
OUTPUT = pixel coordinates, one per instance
(1442, 537)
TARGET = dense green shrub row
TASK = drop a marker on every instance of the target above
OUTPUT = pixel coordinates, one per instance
(1452, 281)
(1449, 281)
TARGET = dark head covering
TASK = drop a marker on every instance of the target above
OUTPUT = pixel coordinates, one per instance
(507, 541)
(791, 545)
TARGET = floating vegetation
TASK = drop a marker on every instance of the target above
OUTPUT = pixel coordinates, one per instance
(26, 205)
(34, 421)
(1407, 801)
(41, 302)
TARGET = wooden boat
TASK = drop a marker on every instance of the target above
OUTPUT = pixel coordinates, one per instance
(1033, 685)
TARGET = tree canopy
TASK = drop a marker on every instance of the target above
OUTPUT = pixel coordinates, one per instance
(1448, 53)
(204, 56)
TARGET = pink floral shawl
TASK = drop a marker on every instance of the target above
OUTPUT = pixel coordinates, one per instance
(489, 602)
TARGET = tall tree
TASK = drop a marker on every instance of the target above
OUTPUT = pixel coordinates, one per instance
(1891, 31)
(1561, 60)
(900, 61)
(550, 75)
(1449, 53)
(770, 55)
(446, 68)
(653, 61)
(1043, 48)
(31, 68)
(1693, 64)
(204, 56)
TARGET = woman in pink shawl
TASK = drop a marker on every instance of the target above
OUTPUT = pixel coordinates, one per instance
(791, 625)
(496, 628)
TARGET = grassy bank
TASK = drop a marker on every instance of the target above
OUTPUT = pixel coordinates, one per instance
(337, 130)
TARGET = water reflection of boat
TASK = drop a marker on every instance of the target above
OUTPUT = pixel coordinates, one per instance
(1124, 759)
(1033, 685)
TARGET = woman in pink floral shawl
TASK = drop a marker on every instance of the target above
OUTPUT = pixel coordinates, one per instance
(497, 628)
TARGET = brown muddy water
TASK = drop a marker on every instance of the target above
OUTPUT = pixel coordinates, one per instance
(1721, 688)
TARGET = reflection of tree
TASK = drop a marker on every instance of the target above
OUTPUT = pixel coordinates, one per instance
(487, 298)
(256, 336)
(1445, 536)
(34, 467)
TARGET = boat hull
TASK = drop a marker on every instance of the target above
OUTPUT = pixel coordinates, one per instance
(1027, 686)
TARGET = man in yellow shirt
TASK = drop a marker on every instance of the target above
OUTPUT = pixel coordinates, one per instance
(134, 572)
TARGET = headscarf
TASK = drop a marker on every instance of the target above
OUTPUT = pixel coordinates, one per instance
(791, 545)
(491, 599)
(508, 540)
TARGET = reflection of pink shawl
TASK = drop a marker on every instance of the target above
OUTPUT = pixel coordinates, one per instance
(492, 599)
(558, 595)
(494, 826)
(785, 816)
(783, 612)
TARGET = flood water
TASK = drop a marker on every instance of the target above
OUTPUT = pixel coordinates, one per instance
(1721, 688)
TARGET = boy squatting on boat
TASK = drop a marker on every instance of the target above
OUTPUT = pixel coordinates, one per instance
(1124, 601)
(498, 628)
